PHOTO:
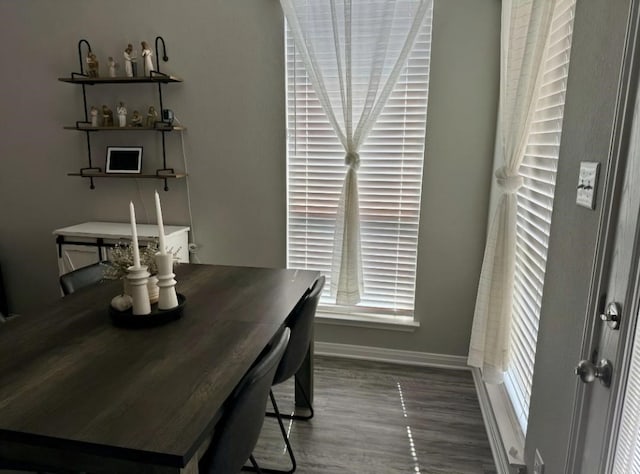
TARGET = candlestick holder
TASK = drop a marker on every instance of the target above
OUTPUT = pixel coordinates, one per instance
(166, 283)
(138, 278)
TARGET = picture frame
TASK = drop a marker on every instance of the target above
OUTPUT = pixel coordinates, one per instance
(124, 159)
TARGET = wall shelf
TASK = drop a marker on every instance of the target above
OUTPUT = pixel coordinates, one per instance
(86, 127)
(154, 77)
(100, 174)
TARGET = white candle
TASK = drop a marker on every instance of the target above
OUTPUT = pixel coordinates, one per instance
(134, 237)
(161, 241)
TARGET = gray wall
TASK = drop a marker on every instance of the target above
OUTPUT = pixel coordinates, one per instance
(230, 53)
(591, 95)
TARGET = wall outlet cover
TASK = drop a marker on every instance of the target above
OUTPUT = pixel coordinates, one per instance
(587, 183)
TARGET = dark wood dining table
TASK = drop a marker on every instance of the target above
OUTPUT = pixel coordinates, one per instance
(80, 394)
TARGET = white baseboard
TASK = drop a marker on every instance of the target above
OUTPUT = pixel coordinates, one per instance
(397, 356)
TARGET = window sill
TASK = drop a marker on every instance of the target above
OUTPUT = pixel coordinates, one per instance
(505, 435)
(366, 320)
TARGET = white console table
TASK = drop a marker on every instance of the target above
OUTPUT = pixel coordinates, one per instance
(83, 244)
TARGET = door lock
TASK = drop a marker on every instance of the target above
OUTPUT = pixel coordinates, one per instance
(588, 371)
(612, 315)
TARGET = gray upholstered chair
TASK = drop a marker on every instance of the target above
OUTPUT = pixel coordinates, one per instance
(301, 324)
(237, 432)
(85, 276)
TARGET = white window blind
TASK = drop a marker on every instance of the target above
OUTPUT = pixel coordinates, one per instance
(390, 180)
(535, 204)
(627, 455)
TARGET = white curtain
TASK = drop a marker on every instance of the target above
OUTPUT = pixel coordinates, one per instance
(525, 29)
(353, 51)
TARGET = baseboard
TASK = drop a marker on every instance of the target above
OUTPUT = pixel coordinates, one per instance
(504, 464)
(396, 356)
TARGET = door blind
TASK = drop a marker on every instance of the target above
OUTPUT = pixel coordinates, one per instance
(390, 181)
(535, 204)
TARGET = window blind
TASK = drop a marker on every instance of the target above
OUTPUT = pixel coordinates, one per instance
(390, 180)
(627, 455)
(535, 204)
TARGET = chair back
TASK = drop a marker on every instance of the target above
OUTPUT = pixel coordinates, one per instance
(301, 324)
(237, 432)
(85, 276)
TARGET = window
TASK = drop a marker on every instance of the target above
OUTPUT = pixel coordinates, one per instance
(390, 180)
(535, 204)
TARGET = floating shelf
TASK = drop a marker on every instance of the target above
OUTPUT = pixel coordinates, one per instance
(129, 175)
(160, 78)
(89, 128)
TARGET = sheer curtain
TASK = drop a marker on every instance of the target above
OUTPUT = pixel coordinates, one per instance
(525, 28)
(353, 74)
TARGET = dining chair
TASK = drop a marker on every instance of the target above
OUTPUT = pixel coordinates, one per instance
(81, 277)
(301, 324)
(237, 432)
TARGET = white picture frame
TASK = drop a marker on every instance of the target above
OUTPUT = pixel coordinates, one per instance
(124, 159)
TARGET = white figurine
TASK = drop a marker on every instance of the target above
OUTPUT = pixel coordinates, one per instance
(112, 67)
(129, 61)
(94, 116)
(122, 114)
(147, 55)
(152, 117)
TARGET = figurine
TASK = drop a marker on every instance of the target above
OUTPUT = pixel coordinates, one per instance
(130, 65)
(92, 64)
(122, 114)
(94, 116)
(113, 65)
(136, 119)
(107, 117)
(147, 55)
(152, 117)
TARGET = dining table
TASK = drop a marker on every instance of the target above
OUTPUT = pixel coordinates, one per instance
(79, 393)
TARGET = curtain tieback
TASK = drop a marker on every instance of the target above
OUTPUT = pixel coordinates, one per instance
(509, 183)
(352, 159)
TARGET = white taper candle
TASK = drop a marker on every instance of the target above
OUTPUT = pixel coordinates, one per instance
(161, 241)
(134, 237)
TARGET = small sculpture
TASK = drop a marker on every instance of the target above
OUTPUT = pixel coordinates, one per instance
(122, 114)
(94, 116)
(113, 65)
(92, 64)
(152, 117)
(130, 64)
(147, 55)
(107, 116)
(136, 119)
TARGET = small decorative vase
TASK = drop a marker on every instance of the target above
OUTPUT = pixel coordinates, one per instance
(154, 291)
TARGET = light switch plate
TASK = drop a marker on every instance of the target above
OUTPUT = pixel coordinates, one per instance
(587, 184)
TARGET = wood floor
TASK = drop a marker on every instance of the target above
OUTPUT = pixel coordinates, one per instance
(382, 418)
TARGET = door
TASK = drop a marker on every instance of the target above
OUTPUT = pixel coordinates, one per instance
(607, 340)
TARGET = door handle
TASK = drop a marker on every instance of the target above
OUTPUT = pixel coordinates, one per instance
(588, 371)
(612, 315)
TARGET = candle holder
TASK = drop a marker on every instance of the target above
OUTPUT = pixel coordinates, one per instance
(166, 283)
(138, 278)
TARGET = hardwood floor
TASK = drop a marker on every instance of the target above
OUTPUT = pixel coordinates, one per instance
(382, 418)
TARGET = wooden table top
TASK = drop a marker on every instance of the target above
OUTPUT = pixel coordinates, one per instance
(70, 379)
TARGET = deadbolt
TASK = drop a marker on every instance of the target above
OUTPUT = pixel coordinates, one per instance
(588, 371)
(612, 315)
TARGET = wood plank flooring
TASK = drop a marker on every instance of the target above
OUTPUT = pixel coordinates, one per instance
(378, 418)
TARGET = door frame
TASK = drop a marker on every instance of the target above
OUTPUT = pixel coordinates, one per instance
(612, 184)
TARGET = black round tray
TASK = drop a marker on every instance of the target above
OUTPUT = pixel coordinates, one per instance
(157, 317)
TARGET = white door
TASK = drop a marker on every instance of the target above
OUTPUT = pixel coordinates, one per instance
(608, 343)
